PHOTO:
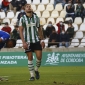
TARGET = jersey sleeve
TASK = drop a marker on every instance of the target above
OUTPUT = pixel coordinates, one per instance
(4, 35)
(38, 22)
(21, 21)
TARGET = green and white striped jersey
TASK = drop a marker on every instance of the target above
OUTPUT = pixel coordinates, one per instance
(30, 28)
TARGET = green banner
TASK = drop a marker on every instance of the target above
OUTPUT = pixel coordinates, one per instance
(48, 59)
(64, 59)
(13, 59)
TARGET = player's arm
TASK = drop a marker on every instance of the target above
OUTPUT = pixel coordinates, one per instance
(40, 32)
(25, 46)
(4, 36)
(0, 40)
(21, 34)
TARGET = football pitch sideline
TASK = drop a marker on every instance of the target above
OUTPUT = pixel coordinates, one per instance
(52, 75)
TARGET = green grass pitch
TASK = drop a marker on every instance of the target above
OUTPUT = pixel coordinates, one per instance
(52, 75)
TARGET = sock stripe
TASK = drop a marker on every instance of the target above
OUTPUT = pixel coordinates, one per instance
(38, 63)
(31, 69)
(30, 64)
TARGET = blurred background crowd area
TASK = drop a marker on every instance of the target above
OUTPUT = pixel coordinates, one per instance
(62, 21)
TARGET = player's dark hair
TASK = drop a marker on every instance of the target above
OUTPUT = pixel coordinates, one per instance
(13, 41)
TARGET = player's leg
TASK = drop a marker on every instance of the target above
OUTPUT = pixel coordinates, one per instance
(1, 45)
(1, 79)
(38, 62)
(38, 52)
(30, 65)
(38, 59)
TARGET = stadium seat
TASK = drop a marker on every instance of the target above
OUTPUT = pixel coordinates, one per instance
(84, 5)
(2, 15)
(46, 42)
(74, 42)
(75, 27)
(59, 19)
(10, 14)
(19, 43)
(65, 6)
(44, 26)
(29, 1)
(84, 36)
(59, 7)
(45, 2)
(45, 14)
(6, 20)
(61, 46)
(53, 46)
(49, 7)
(14, 21)
(33, 7)
(41, 7)
(84, 20)
(75, 6)
(82, 27)
(54, 14)
(62, 14)
(79, 35)
(66, 27)
(10, 0)
(51, 19)
(68, 18)
(38, 13)
(80, 46)
(51, 2)
(42, 21)
(36, 2)
(0, 1)
(19, 46)
(71, 46)
(78, 20)
(82, 42)
(16, 15)
(56, 27)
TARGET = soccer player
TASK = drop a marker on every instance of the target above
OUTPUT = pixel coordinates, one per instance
(3, 37)
(5, 40)
(29, 26)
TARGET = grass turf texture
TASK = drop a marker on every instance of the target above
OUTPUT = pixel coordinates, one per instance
(49, 76)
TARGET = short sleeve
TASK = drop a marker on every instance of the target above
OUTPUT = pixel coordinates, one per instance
(21, 21)
(38, 22)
